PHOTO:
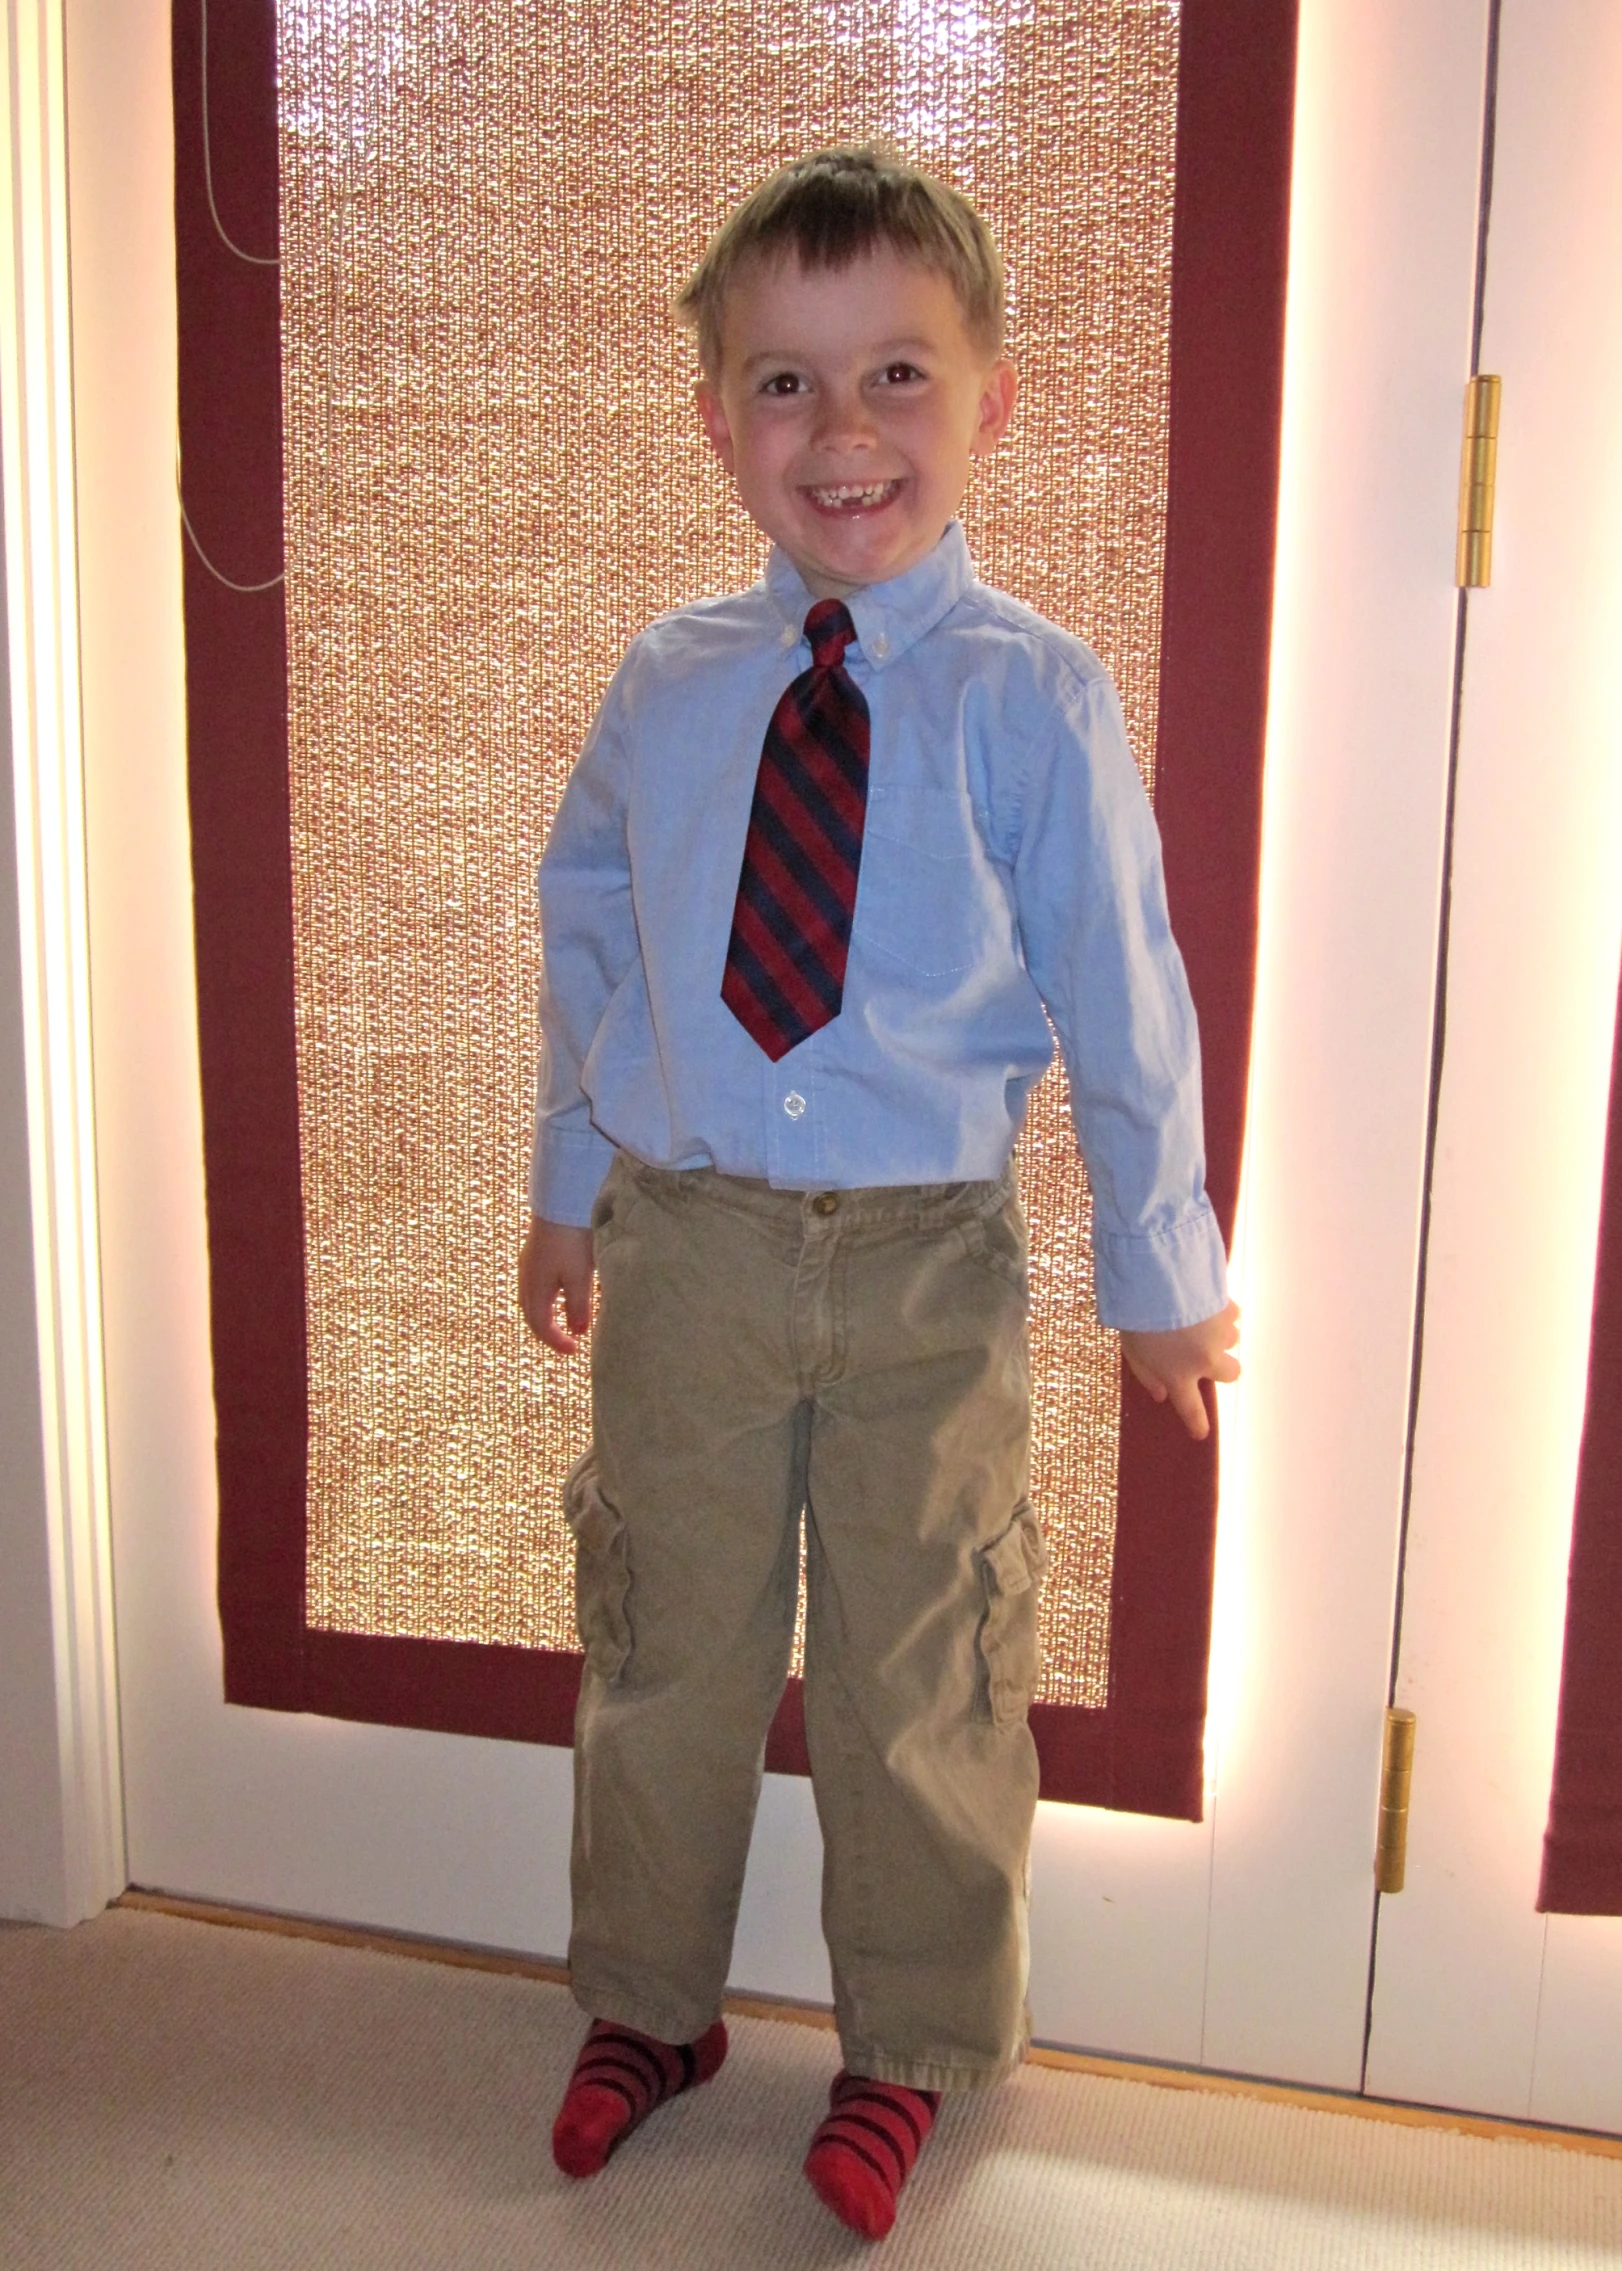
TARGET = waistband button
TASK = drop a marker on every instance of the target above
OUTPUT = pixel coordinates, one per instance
(825, 1202)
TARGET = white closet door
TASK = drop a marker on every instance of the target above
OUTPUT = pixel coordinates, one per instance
(1479, 2001)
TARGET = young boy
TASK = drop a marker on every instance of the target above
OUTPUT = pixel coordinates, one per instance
(831, 849)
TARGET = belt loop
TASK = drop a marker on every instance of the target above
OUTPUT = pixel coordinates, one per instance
(934, 1205)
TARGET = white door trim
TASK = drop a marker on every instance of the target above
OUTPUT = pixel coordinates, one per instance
(36, 459)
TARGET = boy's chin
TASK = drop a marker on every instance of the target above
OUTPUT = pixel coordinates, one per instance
(833, 570)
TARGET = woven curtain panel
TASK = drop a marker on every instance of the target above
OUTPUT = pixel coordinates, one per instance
(493, 477)
(1582, 1846)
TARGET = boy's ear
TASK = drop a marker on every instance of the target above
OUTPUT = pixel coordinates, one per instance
(997, 399)
(713, 413)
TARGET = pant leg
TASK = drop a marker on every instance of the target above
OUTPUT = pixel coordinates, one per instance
(924, 1563)
(687, 1516)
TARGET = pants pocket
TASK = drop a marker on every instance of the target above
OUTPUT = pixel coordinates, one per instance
(996, 1239)
(615, 1203)
(1011, 1568)
(602, 1570)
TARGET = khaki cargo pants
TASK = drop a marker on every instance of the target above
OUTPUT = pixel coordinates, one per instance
(858, 1357)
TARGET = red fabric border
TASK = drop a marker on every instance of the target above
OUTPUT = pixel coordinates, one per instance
(236, 698)
(1582, 1847)
(1143, 1752)
(1235, 119)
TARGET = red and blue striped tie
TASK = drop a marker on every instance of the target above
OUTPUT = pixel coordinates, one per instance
(785, 969)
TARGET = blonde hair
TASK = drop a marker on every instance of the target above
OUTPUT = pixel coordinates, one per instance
(830, 208)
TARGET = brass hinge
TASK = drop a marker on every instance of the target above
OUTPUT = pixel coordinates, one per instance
(1396, 1777)
(1478, 478)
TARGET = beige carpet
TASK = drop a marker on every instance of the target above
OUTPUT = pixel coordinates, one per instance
(175, 2097)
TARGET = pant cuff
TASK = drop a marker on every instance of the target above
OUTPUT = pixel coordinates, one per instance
(929, 2073)
(662, 2020)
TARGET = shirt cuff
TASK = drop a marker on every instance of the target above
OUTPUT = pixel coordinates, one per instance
(1161, 1280)
(566, 1173)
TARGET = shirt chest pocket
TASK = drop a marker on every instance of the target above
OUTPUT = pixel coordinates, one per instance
(928, 897)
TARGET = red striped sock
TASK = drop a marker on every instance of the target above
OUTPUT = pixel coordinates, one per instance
(619, 2078)
(864, 2152)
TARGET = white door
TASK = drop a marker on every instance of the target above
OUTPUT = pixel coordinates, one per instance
(1243, 1942)
(1479, 2001)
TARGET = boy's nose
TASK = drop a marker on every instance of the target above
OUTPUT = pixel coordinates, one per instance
(845, 422)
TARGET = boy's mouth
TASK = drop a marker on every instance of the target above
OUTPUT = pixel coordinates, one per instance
(853, 496)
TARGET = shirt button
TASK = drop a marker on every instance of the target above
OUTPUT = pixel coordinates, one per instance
(881, 646)
(789, 635)
(825, 1202)
(794, 1104)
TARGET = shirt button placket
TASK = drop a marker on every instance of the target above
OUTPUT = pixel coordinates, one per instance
(793, 1139)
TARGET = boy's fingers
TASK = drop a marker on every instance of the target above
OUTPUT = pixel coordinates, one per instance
(1148, 1380)
(535, 1310)
(549, 1327)
(555, 1265)
(1172, 1365)
(1189, 1405)
(540, 1315)
(559, 1332)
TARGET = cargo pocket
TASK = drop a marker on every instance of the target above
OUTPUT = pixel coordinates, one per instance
(602, 1570)
(1011, 1570)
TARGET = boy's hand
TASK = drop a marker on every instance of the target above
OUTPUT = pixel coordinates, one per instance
(556, 1259)
(1172, 1365)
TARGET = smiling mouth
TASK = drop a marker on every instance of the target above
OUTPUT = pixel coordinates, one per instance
(853, 496)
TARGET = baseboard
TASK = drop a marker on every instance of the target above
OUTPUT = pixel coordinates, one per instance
(556, 1974)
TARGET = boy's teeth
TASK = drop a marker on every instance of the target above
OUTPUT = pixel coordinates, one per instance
(854, 493)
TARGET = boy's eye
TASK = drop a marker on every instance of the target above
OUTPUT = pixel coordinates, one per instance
(782, 382)
(900, 374)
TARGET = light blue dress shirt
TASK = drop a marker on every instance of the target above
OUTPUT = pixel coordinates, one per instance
(1010, 866)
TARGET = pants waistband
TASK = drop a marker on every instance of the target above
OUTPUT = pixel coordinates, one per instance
(885, 1207)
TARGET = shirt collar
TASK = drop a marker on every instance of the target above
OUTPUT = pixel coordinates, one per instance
(889, 617)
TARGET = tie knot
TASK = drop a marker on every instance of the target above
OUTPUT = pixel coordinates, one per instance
(830, 630)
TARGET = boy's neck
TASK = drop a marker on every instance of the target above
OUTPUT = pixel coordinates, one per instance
(821, 586)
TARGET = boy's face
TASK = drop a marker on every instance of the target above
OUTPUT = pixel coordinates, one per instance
(848, 406)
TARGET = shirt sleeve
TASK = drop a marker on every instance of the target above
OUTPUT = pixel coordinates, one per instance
(1091, 900)
(588, 946)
